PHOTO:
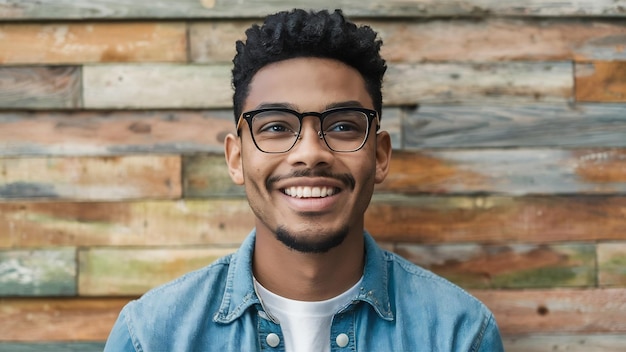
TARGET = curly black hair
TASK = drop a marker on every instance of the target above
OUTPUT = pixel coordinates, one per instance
(299, 33)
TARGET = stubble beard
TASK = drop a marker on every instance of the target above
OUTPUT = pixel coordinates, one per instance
(311, 243)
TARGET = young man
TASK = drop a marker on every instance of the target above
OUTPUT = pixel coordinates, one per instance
(309, 151)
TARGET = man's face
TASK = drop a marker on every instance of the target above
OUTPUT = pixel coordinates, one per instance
(310, 197)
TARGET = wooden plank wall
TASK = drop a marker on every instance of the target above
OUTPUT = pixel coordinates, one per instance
(509, 173)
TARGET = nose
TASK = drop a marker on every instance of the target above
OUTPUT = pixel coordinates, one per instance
(310, 150)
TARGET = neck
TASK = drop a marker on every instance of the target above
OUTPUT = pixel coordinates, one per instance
(308, 276)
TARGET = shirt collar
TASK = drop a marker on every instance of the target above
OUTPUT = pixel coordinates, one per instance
(239, 294)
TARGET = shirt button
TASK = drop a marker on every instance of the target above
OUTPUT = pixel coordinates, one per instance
(272, 339)
(342, 340)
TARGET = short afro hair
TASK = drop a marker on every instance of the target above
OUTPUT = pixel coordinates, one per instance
(299, 33)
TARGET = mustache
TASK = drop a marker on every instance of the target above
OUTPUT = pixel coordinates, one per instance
(347, 179)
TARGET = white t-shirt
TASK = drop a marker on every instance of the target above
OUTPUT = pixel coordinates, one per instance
(305, 325)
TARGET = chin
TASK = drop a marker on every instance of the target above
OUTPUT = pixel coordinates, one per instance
(311, 242)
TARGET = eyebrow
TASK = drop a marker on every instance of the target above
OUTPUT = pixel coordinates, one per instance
(341, 104)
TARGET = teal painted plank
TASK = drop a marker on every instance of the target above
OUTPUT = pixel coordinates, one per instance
(45, 272)
(526, 125)
(79, 9)
(51, 346)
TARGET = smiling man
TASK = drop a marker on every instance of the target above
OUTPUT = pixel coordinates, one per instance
(308, 151)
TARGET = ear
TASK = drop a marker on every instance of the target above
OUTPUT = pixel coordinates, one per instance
(232, 150)
(383, 155)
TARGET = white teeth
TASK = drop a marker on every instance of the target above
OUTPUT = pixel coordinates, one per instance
(309, 192)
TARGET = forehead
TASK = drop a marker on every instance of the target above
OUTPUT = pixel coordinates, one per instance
(309, 84)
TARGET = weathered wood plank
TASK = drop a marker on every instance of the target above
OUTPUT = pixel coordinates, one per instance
(42, 272)
(409, 84)
(76, 43)
(207, 86)
(601, 81)
(62, 320)
(472, 126)
(125, 272)
(52, 346)
(147, 223)
(557, 311)
(429, 219)
(157, 86)
(563, 342)
(612, 264)
(40, 87)
(508, 266)
(86, 178)
(109, 133)
(68, 9)
(488, 40)
(509, 171)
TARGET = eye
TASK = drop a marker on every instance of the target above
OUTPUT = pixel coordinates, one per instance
(343, 126)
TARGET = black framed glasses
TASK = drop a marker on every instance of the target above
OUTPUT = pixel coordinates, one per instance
(277, 130)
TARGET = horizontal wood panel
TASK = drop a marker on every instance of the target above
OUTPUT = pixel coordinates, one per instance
(63, 43)
(68, 9)
(508, 266)
(107, 178)
(601, 81)
(492, 39)
(109, 133)
(51, 346)
(508, 171)
(565, 342)
(548, 311)
(612, 264)
(125, 272)
(63, 319)
(40, 87)
(429, 219)
(156, 86)
(145, 223)
(471, 126)
(41, 272)
(407, 84)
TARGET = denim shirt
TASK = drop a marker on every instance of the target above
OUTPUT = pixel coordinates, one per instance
(399, 307)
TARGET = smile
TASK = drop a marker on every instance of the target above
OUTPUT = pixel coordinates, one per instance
(309, 192)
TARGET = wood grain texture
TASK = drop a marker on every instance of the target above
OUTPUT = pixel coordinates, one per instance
(532, 125)
(458, 40)
(508, 171)
(125, 272)
(76, 43)
(109, 9)
(52, 346)
(40, 87)
(58, 320)
(117, 224)
(496, 219)
(156, 86)
(108, 178)
(565, 342)
(410, 84)
(508, 266)
(549, 311)
(41, 272)
(612, 264)
(601, 81)
(112, 133)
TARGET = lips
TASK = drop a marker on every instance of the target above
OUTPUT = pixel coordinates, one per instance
(309, 192)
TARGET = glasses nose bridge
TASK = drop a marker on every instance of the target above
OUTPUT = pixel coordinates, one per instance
(319, 116)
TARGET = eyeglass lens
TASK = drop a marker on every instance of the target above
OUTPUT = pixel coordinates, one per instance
(278, 131)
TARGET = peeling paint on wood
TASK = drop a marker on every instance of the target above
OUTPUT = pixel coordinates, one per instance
(124, 272)
(40, 87)
(612, 264)
(43, 272)
(601, 81)
(64, 43)
(111, 178)
(508, 266)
